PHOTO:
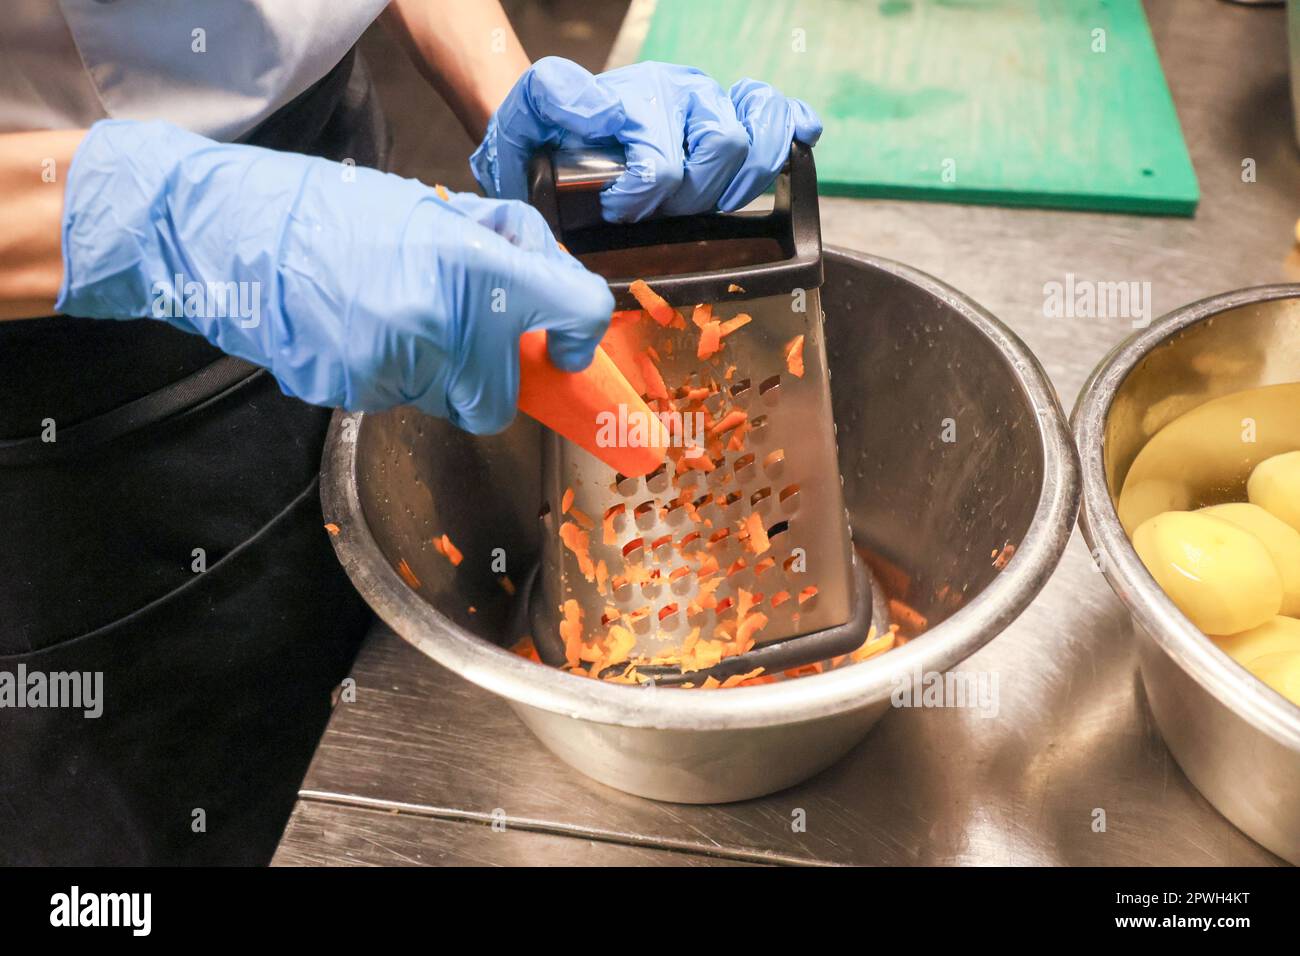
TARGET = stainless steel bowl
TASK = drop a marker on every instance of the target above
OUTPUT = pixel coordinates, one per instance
(1237, 740)
(910, 359)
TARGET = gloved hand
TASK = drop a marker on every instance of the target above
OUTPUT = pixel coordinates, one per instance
(353, 287)
(690, 146)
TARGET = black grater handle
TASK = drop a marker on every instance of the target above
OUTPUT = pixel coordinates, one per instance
(565, 188)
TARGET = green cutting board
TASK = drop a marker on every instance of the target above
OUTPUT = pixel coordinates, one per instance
(1017, 102)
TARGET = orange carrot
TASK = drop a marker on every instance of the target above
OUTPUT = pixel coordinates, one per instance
(654, 382)
(567, 501)
(652, 302)
(702, 315)
(623, 345)
(332, 528)
(586, 408)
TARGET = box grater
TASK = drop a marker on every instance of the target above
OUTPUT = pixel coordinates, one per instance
(786, 470)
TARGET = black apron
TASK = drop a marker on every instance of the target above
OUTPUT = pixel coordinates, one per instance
(169, 539)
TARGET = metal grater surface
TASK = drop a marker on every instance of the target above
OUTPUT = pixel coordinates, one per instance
(787, 472)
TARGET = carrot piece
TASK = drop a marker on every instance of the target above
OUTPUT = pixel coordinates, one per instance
(758, 541)
(583, 519)
(735, 288)
(702, 315)
(748, 627)
(874, 645)
(608, 534)
(579, 542)
(566, 502)
(807, 593)
(710, 340)
(740, 321)
(441, 190)
(794, 356)
(444, 547)
(727, 422)
(654, 382)
(506, 584)
(526, 648)
(652, 302)
(408, 575)
(571, 632)
(333, 529)
(585, 407)
(911, 620)
(625, 316)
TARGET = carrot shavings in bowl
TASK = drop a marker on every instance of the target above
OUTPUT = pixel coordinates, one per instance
(442, 544)
(736, 680)
(652, 302)
(526, 648)
(408, 575)
(567, 501)
(874, 645)
(794, 356)
(908, 617)
(702, 315)
(332, 528)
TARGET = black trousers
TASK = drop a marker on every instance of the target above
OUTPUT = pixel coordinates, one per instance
(180, 562)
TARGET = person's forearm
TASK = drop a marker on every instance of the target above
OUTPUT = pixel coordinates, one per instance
(467, 50)
(33, 171)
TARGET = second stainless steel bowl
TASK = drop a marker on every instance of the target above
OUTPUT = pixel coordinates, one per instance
(1237, 740)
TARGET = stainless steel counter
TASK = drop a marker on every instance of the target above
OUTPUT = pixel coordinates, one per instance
(422, 764)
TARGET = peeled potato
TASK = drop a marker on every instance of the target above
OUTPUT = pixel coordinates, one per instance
(1221, 577)
(1274, 485)
(1281, 635)
(1278, 538)
(1141, 500)
(1280, 672)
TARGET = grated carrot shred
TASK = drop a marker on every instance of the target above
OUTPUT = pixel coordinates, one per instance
(794, 356)
(710, 340)
(652, 302)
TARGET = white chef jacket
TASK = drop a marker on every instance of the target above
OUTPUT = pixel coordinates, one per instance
(217, 68)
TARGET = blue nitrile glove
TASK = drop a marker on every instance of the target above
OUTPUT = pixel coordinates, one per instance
(353, 287)
(690, 146)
